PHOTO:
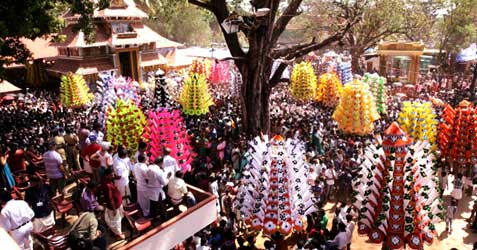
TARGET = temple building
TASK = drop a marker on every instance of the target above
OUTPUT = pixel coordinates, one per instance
(123, 45)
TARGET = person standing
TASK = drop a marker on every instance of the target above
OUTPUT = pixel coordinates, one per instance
(121, 168)
(157, 180)
(38, 197)
(61, 147)
(170, 163)
(54, 168)
(140, 174)
(15, 218)
(458, 186)
(97, 133)
(104, 157)
(91, 165)
(450, 214)
(114, 208)
(83, 134)
(72, 153)
(349, 230)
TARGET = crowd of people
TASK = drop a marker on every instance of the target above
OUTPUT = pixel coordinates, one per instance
(48, 152)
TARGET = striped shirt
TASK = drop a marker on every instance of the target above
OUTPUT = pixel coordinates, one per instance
(52, 162)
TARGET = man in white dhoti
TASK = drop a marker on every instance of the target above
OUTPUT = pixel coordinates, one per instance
(140, 174)
(15, 218)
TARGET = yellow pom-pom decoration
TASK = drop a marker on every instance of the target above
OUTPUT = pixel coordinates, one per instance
(74, 92)
(125, 124)
(329, 90)
(195, 98)
(419, 121)
(356, 110)
(303, 81)
(378, 88)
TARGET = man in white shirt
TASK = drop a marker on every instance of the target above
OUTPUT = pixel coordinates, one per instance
(170, 163)
(121, 168)
(140, 174)
(330, 176)
(15, 218)
(176, 189)
(156, 182)
(349, 230)
(96, 132)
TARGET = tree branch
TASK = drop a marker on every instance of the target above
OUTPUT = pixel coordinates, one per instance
(284, 19)
(280, 52)
(221, 12)
(198, 3)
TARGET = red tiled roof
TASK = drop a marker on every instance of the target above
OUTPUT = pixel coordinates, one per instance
(40, 47)
(76, 39)
(130, 11)
(151, 59)
(82, 67)
(145, 35)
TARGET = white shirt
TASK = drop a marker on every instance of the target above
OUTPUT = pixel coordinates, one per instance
(170, 165)
(121, 169)
(330, 174)
(14, 214)
(140, 173)
(157, 180)
(176, 189)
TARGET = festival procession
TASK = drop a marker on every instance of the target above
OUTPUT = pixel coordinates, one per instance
(238, 125)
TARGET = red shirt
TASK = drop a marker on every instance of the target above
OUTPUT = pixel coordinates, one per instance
(90, 150)
(112, 195)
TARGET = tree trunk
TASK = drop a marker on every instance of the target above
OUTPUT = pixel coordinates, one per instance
(355, 57)
(256, 88)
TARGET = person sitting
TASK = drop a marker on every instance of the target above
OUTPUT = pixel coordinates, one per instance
(38, 197)
(85, 234)
(88, 198)
(177, 189)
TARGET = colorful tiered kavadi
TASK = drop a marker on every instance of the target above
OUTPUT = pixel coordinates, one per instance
(195, 98)
(457, 138)
(125, 124)
(74, 92)
(397, 193)
(356, 111)
(165, 128)
(219, 73)
(329, 90)
(378, 88)
(419, 121)
(274, 195)
(303, 82)
(201, 67)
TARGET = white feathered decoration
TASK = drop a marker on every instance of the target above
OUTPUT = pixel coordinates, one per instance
(278, 171)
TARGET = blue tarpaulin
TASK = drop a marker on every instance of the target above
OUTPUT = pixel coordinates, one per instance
(468, 54)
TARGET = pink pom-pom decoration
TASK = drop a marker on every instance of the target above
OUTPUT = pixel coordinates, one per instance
(219, 73)
(166, 128)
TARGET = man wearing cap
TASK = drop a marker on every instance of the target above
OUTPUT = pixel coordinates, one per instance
(54, 168)
(15, 218)
(90, 165)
